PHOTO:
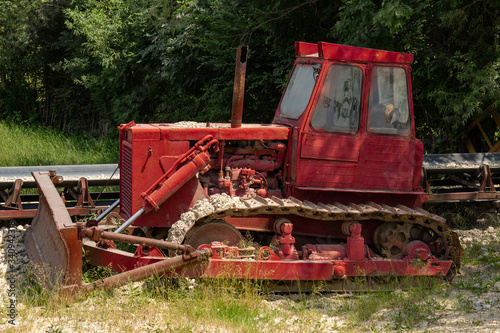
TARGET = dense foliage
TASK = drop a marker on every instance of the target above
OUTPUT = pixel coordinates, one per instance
(457, 57)
(88, 65)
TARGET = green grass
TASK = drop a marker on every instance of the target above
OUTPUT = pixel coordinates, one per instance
(35, 145)
(156, 305)
(483, 260)
(465, 216)
(186, 305)
(396, 310)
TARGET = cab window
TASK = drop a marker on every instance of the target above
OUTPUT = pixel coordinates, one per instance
(339, 103)
(299, 89)
(389, 111)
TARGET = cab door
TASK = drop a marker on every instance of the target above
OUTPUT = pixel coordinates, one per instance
(330, 141)
(390, 152)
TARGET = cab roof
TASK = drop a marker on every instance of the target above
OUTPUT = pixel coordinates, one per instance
(330, 51)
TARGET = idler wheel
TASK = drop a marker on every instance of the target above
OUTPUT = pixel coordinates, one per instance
(391, 239)
(214, 231)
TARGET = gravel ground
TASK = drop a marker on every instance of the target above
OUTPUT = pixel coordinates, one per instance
(470, 303)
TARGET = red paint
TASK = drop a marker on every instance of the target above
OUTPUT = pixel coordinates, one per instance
(273, 268)
(345, 162)
(357, 54)
(306, 49)
(355, 243)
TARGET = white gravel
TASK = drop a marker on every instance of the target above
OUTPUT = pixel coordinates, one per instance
(477, 236)
(201, 209)
(193, 124)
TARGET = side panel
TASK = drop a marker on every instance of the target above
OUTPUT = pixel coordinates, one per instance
(141, 165)
(126, 155)
(331, 147)
(331, 137)
(387, 163)
(331, 195)
(328, 160)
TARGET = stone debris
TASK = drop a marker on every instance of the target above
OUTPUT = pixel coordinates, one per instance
(222, 202)
(194, 124)
(180, 228)
(201, 209)
(477, 236)
(478, 305)
(19, 257)
(456, 165)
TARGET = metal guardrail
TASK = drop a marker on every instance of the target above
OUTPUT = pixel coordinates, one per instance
(433, 163)
(96, 174)
(459, 163)
(470, 177)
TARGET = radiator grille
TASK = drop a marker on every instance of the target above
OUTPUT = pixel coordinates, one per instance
(126, 178)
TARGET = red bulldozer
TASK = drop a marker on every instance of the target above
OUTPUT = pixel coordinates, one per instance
(330, 191)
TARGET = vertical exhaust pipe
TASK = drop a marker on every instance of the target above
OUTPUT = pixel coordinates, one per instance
(239, 86)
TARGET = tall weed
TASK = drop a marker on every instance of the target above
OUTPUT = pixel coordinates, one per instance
(35, 145)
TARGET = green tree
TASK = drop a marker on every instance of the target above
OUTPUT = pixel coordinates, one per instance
(455, 43)
(19, 67)
(88, 65)
(196, 42)
(106, 58)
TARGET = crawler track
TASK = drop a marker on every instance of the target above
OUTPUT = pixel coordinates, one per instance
(219, 206)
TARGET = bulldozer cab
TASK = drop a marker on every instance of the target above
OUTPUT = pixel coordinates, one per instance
(351, 114)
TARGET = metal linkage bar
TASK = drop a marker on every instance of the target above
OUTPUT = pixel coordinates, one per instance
(141, 273)
(14, 204)
(96, 234)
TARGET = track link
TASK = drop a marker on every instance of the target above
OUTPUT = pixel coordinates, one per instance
(222, 205)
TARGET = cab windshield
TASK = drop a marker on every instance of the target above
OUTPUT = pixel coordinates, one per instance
(339, 103)
(299, 89)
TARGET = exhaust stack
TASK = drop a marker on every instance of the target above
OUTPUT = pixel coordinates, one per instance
(239, 86)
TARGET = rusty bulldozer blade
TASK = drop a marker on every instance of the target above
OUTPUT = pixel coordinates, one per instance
(54, 246)
(52, 241)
